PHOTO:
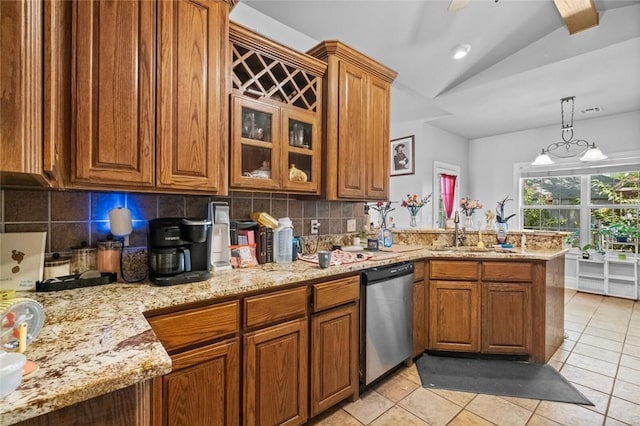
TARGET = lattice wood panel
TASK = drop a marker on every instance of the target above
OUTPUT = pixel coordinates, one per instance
(258, 75)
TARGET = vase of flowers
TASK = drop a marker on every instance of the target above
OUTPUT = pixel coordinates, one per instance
(501, 220)
(414, 204)
(383, 210)
(468, 207)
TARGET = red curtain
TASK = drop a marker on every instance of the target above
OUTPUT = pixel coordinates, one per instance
(447, 190)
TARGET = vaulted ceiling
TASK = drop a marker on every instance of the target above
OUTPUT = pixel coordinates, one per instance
(522, 60)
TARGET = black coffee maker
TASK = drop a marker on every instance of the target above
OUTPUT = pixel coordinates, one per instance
(178, 250)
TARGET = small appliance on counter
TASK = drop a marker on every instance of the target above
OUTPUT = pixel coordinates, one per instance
(179, 250)
(220, 236)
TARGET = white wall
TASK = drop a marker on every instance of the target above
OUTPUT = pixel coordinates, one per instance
(431, 144)
(491, 167)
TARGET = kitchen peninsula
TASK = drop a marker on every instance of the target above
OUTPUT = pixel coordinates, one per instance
(98, 341)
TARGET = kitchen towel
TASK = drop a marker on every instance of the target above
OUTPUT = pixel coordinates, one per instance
(338, 257)
(497, 377)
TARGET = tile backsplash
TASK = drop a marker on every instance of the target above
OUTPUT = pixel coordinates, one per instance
(70, 217)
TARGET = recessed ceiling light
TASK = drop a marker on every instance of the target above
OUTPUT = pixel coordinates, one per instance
(460, 51)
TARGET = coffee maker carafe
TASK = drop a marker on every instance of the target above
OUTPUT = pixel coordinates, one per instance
(179, 250)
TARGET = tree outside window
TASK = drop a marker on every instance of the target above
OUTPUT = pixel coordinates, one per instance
(555, 203)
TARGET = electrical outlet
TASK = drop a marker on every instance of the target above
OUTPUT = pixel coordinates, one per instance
(351, 225)
(315, 225)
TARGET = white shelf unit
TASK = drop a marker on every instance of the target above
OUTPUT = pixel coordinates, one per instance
(608, 274)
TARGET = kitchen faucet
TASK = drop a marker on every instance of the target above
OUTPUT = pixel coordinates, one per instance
(458, 234)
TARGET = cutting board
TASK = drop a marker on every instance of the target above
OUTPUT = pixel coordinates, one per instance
(21, 260)
(384, 256)
(401, 248)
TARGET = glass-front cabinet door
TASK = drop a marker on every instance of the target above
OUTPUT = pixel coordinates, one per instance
(274, 147)
(301, 155)
(255, 149)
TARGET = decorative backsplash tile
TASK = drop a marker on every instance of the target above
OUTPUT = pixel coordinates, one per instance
(70, 217)
(26, 206)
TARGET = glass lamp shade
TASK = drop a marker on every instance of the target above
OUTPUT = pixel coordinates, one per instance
(593, 154)
(543, 159)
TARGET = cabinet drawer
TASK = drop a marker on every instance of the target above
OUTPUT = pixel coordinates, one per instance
(274, 307)
(507, 271)
(418, 271)
(334, 293)
(457, 270)
(180, 329)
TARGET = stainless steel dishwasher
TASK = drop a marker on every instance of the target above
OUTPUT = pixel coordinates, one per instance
(386, 319)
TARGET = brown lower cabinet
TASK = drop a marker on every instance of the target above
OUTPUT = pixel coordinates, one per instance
(506, 318)
(202, 389)
(454, 316)
(125, 407)
(334, 342)
(203, 386)
(485, 307)
(275, 375)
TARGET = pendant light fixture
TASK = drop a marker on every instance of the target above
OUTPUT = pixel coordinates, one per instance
(569, 147)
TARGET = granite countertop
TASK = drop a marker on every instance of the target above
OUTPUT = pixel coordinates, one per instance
(96, 340)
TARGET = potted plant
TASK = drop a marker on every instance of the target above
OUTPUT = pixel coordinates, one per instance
(572, 241)
(586, 250)
(502, 219)
(622, 231)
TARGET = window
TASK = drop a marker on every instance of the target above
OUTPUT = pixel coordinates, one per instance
(580, 200)
(615, 198)
(551, 203)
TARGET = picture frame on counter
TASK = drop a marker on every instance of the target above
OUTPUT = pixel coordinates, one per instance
(402, 156)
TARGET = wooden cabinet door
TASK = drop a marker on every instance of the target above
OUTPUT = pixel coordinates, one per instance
(377, 143)
(21, 75)
(454, 316)
(113, 92)
(419, 318)
(203, 388)
(192, 95)
(352, 130)
(506, 318)
(334, 356)
(275, 374)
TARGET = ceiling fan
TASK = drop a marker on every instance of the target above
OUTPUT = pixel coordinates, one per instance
(578, 15)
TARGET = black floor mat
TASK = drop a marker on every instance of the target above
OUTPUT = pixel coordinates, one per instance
(497, 377)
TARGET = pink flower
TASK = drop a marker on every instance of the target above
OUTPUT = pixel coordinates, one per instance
(469, 206)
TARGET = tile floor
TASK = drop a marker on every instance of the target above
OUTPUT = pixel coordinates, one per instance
(601, 357)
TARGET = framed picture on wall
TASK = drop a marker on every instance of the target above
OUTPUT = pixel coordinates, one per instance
(402, 156)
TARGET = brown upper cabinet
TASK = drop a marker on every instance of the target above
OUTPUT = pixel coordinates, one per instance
(357, 92)
(33, 71)
(149, 94)
(275, 115)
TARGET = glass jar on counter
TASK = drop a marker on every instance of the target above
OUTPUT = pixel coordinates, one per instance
(109, 252)
(56, 266)
(83, 259)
